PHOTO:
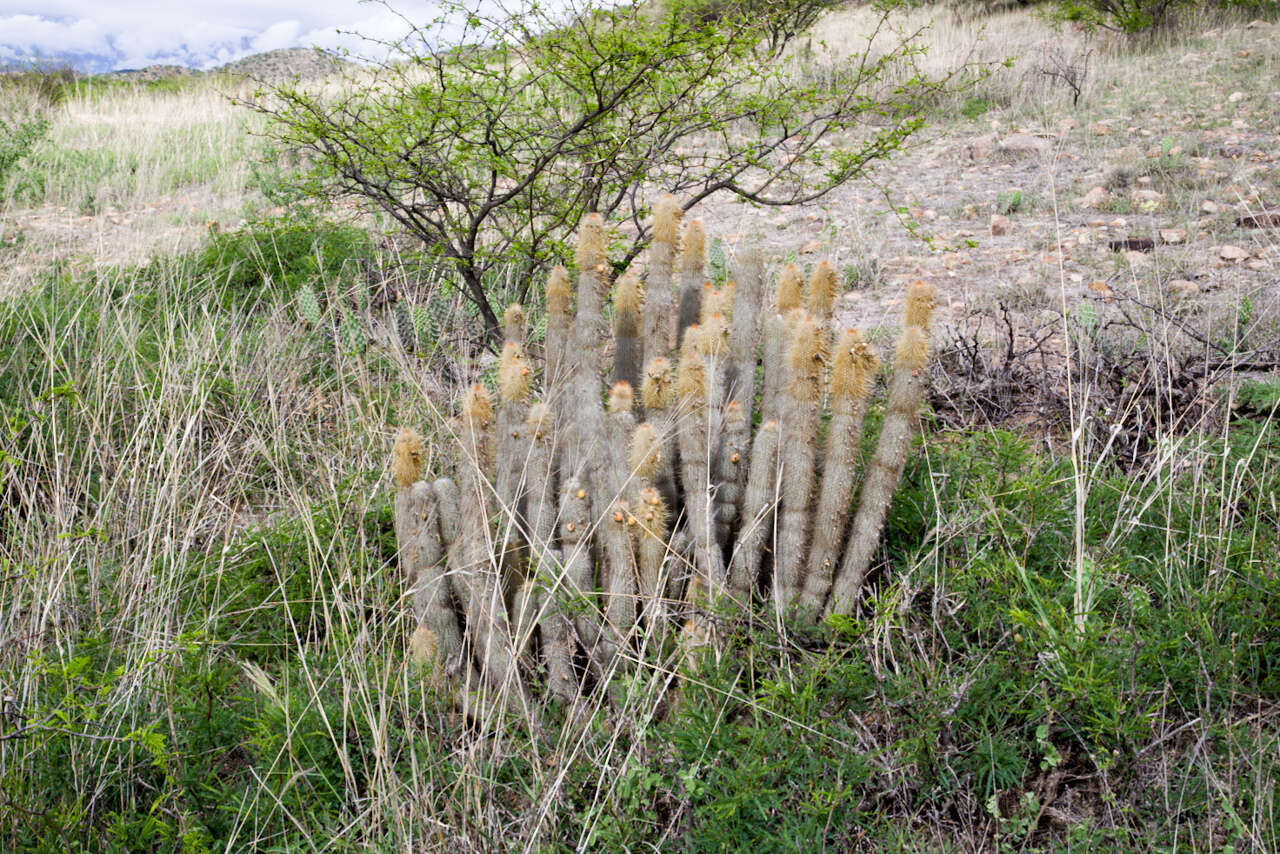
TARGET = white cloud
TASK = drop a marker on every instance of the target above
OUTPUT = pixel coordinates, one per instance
(278, 35)
(200, 33)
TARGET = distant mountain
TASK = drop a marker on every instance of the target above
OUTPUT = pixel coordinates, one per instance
(273, 66)
(283, 65)
(154, 72)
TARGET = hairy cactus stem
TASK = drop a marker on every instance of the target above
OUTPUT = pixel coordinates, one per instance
(437, 639)
(901, 421)
(659, 303)
(628, 353)
(693, 260)
(541, 496)
(577, 584)
(449, 503)
(776, 340)
(621, 426)
(696, 444)
(620, 586)
(657, 393)
(650, 530)
(525, 607)
(589, 454)
(486, 608)
(559, 331)
(799, 454)
(554, 626)
(730, 470)
(744, 338)
(852, 376)
(759, 502)
(515, 379)
(712, 342)
(648, 520)
(617, 572)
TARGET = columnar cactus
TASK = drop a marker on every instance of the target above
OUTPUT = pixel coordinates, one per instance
(571, 533)
(802, 408)
(693, 262)
(628, 350)
(906, 395)
(659, 305)
(852, 374)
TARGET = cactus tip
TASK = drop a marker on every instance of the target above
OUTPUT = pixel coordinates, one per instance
(538, 419)
(514, 376)
(713, 336)
(628, 295)
(789, 289)
(653, 512)
(691, 381)
(821, 295)
(808, 348)
(920, 302)
(408, 455)
(558, 291)
(854, 367)
(591, 243)
(476, 406)
(621, 397)
(717, 301)
(666, 220)
(692, 341)
(693, 248)
(646, 451)
(656, 388)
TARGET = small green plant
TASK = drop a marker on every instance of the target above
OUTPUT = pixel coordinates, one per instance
(1259, 397)
(975, 106)
(863, 274)
(1009, 202)
(308, 305)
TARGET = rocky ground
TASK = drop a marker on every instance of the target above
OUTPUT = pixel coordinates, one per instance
(1174, 198)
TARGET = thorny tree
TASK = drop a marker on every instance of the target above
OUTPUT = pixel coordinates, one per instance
(489, 136)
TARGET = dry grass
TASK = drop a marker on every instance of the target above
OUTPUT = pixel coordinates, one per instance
(129, 172)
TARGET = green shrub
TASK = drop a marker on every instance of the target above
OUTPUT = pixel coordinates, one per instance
(1260, 397)
(508, 138)
(1135, 17)
(271, 258)
(17, 138)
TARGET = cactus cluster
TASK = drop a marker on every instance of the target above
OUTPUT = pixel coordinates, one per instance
(583, 530)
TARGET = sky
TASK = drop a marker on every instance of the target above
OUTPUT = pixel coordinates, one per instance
(101, 35)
